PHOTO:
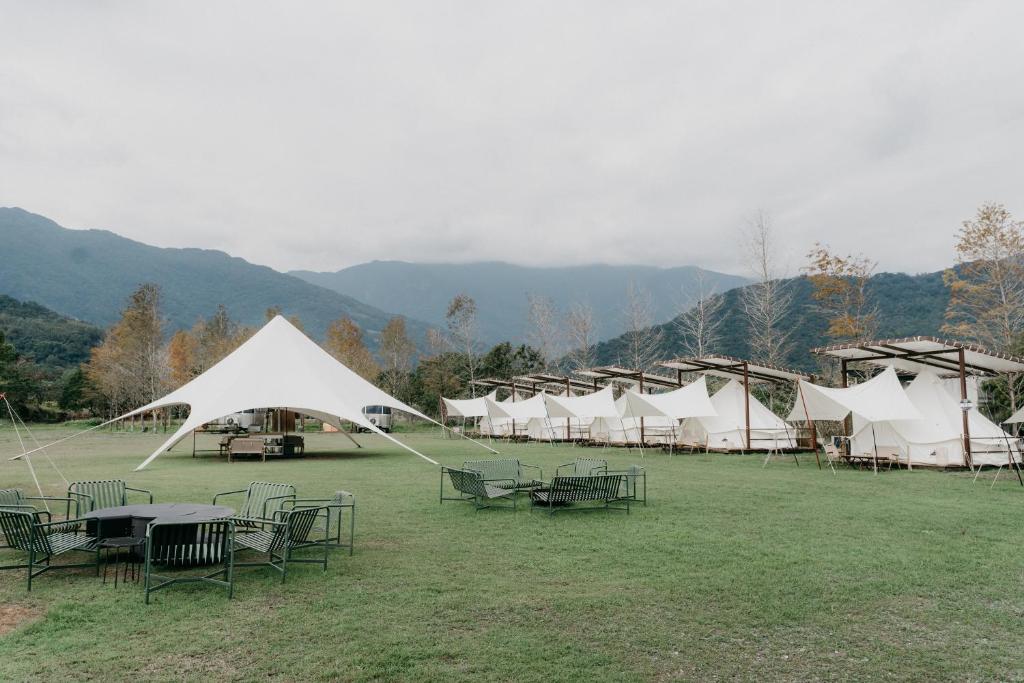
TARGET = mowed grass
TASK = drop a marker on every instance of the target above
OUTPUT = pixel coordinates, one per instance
(733, 571)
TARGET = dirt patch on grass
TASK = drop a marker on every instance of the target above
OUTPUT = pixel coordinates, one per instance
(182, 666)
(14, 616)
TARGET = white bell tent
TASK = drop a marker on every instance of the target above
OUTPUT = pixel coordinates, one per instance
(727, 430)
(879, 399)
(510, 417)
(468, 407)
(278, 367)
(937, 438)
(577, 413)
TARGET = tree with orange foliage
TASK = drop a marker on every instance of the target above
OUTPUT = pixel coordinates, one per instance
(840, 288)
(345, 342)
(181, 357)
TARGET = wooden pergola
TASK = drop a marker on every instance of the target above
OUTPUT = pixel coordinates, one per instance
(730, 368)
(913, 354)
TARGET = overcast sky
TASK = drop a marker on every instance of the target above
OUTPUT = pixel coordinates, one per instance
(319, 135)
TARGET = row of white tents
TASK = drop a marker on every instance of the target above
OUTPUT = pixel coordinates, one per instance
(684, 416)
(919, 424)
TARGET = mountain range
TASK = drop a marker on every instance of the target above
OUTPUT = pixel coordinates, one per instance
(423, 290)
(89, 274)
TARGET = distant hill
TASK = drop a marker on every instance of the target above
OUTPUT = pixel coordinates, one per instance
(908, 305)
(500, 290)
(49, 339)
(88, 274)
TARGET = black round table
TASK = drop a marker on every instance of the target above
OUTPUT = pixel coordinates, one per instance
(131, 520)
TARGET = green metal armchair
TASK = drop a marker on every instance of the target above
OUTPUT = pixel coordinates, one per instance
(175, 545)
(43, 541)
(336, 506)
(471, 486)
(507, 473)
(290, 531)
(263, 499)
(96, 495)
(582, 467)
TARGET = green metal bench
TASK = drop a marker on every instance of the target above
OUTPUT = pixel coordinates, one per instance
(506, 473)
(599, 488)
(471, 486)
(177, 545)
(634, 483)
(43, 541)
(262, 500)
(584, 467)
(336, 504)
(96, 495)
(290, 531)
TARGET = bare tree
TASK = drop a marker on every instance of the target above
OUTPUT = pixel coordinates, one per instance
(397, 353)
(699, 324)
(579, 323)
(768, 301)
(643, 339)
(461, 320)
(986, 288)
(542, 329)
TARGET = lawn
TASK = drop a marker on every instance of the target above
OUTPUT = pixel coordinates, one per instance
(733, 571)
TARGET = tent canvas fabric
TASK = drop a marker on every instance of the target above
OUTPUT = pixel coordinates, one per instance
(879, 399)
(278, 367)
(468, 407)
(689, 401)
(936, 438)
(625, 429)
(727, 430)
(575, 415)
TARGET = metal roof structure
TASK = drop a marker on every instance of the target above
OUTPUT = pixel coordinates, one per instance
(642, 379)
(912, 354)
(729, 367)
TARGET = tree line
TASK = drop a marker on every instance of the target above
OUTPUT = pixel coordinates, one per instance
(136, 362)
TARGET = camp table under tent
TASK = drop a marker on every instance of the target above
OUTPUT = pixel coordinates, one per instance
(950, 359)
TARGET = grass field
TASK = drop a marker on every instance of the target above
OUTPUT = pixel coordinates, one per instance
(733, 571)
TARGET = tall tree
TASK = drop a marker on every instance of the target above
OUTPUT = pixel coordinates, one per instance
(129, 367)
(345, 342)
(766, 302)
(986, 288)
(397, 353)
(16, 380)
(462, 327)
(182, 360)
(542, 329)
(700, 322)
(643, 340)
(840, 290)
(579, 325)
(504, 361)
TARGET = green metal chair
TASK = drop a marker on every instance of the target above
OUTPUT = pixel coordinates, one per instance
(263, 499)
(634, 483)
(43, 541)
(507, 473)
(471, 486)
(563, 491)
(96, 495)
(583, 467)
(177, 545)
(290, 531)
(338, 503)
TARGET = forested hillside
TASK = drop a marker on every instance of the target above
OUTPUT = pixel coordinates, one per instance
(907, 305)
(46, 338)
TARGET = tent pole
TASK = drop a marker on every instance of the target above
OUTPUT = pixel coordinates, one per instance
(193, 443)
(968, 456)
(810, 422)
(746, 399)
(874, 442)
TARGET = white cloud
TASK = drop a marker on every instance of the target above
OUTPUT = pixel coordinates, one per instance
(317, 135)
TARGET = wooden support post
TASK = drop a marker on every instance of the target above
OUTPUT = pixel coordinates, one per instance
(643, 436)
(848, 420)
(746, 399)
(968, 456)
